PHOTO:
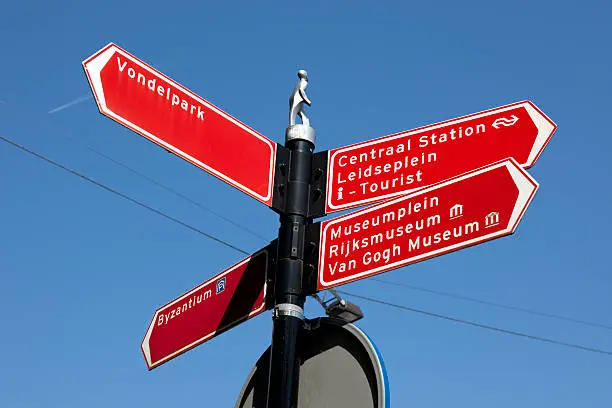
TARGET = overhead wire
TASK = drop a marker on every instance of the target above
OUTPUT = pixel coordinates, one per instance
(180, 195)
(229, 245)
(124, 196)
(147, 178)
(494, 304)
(475, 324)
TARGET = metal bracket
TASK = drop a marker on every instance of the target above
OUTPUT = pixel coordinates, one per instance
(340, 308)
(271, 277)
(311, 258)
(281, 175)
(318, 185)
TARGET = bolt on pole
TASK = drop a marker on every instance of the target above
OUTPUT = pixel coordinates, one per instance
(289, 296)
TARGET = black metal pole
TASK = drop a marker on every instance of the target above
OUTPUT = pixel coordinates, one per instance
(288, 315)
(289, 297)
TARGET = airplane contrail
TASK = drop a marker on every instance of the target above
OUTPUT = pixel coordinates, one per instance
(78, 100)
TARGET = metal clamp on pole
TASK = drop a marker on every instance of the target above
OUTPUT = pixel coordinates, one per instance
(288, 309)
(300, 132)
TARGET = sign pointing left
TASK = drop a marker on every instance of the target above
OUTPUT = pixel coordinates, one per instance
(143, 99)
(213, 307)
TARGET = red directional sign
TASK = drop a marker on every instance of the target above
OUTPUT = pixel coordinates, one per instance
(217, 305)
(470, 209)
(141, 98)
(400, 163)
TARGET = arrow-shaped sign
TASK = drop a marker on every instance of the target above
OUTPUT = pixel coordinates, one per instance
(386, 167)
(215, 306)
(143, 99)
(467, 210)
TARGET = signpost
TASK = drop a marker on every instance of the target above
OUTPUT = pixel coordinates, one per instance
(477, 207)
(386, 167)
(217, 305)
(143, 99)
(448, 186)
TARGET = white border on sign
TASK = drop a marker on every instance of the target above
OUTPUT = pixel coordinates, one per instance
(94, 65)
(526, 185)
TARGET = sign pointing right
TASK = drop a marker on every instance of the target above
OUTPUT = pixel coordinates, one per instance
(386, 167)
(467, 210)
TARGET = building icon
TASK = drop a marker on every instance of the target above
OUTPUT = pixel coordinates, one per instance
(456, 211)
(492, 219)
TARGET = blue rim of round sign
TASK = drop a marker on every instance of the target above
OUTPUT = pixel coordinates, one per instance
(381, 365)
(383, 368)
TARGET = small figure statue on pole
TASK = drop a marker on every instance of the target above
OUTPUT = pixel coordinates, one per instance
(297, 99)
(296, 108)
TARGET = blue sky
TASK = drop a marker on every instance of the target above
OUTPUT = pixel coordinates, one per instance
(84, 270)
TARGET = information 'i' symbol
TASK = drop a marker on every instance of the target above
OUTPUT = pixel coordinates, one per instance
(340, 193)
